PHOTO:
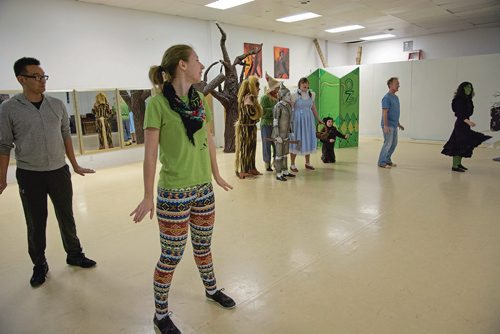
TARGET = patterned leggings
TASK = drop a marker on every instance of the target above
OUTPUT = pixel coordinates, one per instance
(175, 209)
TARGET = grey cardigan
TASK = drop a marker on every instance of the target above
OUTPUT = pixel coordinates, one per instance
(37, 134)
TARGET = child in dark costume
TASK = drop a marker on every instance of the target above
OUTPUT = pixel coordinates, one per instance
(328, 135)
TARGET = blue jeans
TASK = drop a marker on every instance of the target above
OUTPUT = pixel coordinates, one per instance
(126, 129)
(390, 143)
(265, 132)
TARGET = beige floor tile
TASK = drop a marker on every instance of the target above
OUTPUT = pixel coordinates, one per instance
(348, 248)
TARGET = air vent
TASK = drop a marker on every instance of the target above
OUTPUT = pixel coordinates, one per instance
(407, 46)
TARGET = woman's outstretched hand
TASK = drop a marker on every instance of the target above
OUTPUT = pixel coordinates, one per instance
(222, 183)
(142, 210)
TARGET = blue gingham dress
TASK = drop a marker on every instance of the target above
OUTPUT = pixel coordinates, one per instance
(304, 125)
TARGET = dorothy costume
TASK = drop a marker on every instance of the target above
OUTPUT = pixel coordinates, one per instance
(303, 123)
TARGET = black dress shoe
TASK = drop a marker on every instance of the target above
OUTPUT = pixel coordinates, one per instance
(457, 169)
(463, 167)
(80, 261)
(280, 178)
(269, 169)
(289, 175)
(39, 273)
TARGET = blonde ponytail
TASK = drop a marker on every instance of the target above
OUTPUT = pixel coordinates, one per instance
(158, 75)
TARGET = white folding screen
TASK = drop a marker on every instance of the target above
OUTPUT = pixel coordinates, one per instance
(427, 88)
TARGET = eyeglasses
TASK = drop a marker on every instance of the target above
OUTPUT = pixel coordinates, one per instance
(37, 77)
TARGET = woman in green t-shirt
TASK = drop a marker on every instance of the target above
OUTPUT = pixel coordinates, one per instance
(177, 122)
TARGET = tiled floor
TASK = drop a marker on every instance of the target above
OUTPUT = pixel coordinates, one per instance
(348, 248)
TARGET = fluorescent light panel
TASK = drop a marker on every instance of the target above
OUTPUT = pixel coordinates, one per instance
(225, 4)
(344, 28)
(371, 38)
(298, 17)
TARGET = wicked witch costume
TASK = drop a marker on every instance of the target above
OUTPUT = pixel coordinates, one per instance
(463, 139)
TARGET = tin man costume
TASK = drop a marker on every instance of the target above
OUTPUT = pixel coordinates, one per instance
(282, 132)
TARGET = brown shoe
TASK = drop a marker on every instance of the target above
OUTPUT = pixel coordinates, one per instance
(242, 175)
(310, 167)
(254, 172)
(294, 169)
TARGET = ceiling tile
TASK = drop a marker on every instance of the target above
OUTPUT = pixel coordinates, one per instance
(406, 17)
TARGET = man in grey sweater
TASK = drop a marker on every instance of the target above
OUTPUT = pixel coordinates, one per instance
(38, 126)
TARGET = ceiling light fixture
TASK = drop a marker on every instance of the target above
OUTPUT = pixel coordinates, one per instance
(225, 4)
(298, 17)
(382, 36)
(344, 28)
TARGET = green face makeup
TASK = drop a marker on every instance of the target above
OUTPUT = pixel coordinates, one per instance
(468, 90)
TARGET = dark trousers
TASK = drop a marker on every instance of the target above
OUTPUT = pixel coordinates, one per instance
(328, 152)
(33, 189)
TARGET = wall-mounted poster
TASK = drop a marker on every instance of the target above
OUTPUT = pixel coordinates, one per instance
(281, 63)
(253, 62)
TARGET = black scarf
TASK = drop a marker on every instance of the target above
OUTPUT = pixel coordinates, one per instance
(192, 114)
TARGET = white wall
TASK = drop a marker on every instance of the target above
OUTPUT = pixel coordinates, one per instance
(445, 45)
(427, 88)
(337, 54)
(88, 47)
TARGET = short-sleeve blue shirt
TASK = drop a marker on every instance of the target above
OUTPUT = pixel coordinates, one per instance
(391, 102)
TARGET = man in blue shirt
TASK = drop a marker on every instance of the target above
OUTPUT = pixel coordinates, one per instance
(390, 124)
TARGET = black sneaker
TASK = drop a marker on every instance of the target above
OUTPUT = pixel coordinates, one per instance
(457, 169)
(281, 178)
(39, 273)
(289, 175)
(221, 298)
(165, 325)
(80, 261)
